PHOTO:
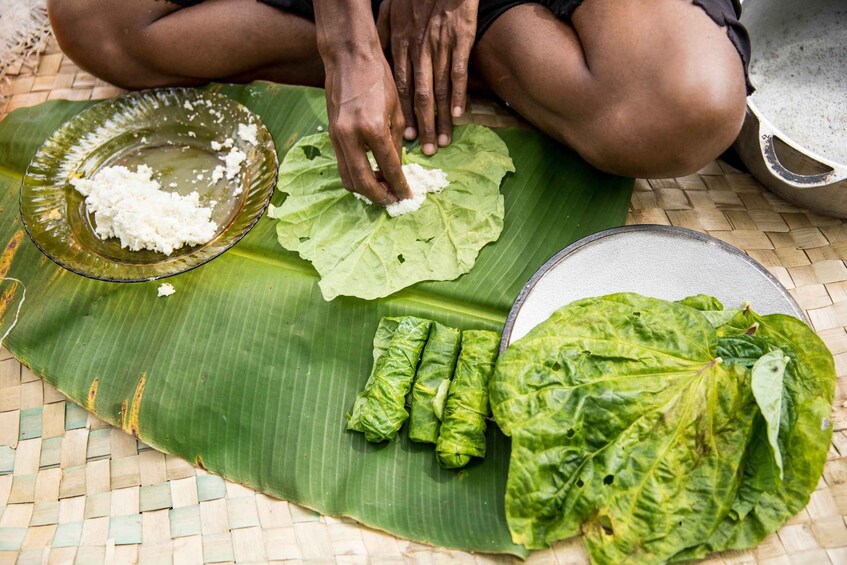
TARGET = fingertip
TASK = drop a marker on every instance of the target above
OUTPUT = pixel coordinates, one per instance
(388, 196)
(458, 111)
(428, 149)
(410, 133)
(443, 140)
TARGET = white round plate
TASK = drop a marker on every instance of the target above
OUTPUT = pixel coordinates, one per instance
(659, 261)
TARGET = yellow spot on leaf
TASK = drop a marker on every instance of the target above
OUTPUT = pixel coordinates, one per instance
(6, 299)
(292, 140)
(129, 418)
(9, 253)
(92, 395)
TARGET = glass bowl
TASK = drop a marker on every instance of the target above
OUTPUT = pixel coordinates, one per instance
(171, 131)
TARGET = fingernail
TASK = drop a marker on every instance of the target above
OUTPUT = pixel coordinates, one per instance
(443, 140)
(409, 133)
(429, 149)
(457, 111)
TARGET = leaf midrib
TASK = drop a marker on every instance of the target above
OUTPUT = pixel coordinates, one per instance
(6, 171)
(302, 267)
(673, 375)
(592, 455)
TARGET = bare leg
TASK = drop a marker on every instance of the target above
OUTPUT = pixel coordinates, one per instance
(645, 92)
(650, 89)
(148, 43)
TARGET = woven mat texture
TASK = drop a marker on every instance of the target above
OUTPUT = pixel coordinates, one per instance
(74, 489)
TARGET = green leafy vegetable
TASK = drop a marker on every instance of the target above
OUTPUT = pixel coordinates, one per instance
(742, 349)
(440, 399)
(702, 302)
(720, 317)
(462, 433)
(437, 364)
(379, 410)
(621, 417)
(359, 250)
(382, 338)
(768, 373)
(628, 426)
(711, 308)
(765, 503)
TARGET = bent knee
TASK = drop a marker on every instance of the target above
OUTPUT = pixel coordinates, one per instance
(88, 34)
(671, 131)
(674, 100)
(66, 16)
(81, 30)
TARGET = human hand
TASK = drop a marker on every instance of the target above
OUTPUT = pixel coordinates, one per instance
(362, 103)
(431, 42)
(364, 113)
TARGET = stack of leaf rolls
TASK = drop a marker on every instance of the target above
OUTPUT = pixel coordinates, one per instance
(447, 372)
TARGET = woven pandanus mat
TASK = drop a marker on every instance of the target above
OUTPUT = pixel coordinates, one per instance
(73, 488)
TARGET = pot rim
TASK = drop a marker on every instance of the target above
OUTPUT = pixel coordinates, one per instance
(779, 133)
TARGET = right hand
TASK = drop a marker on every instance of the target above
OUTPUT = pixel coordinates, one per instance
(365, 114)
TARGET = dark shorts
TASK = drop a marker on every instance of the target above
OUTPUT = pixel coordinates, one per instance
(725, 13)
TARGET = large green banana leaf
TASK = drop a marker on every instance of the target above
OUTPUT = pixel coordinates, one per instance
(248, 372)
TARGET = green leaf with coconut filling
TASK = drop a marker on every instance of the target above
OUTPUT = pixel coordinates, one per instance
(379, 410)
(462, 432)
(359, 250)
(438, 362)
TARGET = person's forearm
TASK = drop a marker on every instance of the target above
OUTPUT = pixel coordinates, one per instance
(345, 28)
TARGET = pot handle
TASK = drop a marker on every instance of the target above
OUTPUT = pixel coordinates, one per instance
(767, 137)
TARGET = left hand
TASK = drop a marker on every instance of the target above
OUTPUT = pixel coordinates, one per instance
(431, 42)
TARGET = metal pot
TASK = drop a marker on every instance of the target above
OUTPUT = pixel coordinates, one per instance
(797, 115)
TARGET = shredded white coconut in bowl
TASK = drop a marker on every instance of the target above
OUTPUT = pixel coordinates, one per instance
(218, 146)
(218, 173)
(233, 161)
(131, 206)
(235, 157)
(248, 132)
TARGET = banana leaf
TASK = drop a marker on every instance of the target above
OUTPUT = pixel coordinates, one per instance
(248, 372)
